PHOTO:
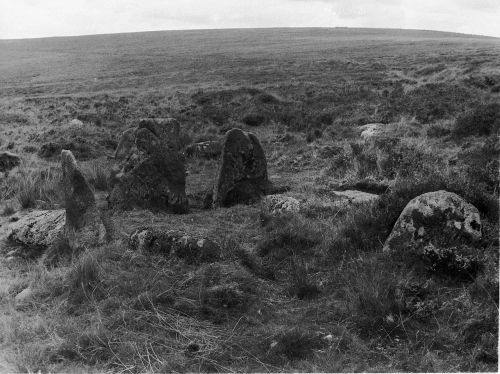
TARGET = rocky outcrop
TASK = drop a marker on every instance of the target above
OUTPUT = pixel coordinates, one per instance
(242, 174)
(193, 249)
(153, 174)
(38, 229)
(8, 161)
(434, 217)
(209, 149)
(275, 205)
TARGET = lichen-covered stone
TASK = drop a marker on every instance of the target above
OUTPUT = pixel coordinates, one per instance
(242, 174)
(438, 216)
(153, 174)
(209, 149)
(191, 248)
(371, 130)
(275, 205)
(8, 161)
(38, 229)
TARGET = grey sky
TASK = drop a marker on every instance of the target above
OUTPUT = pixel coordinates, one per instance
(40, 18)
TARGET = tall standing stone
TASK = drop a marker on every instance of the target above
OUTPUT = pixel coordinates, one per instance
(242, 174)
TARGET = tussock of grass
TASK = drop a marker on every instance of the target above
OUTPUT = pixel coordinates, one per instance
(287, 235)
(297, 343)
(98, 174)
(34, 187)
(8, 210)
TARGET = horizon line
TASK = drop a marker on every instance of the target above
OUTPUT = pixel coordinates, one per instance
(247, 28)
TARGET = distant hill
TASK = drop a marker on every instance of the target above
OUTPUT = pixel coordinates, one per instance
(155, 59)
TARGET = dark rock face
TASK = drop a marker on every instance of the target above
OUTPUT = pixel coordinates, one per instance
(8, 161)
(152, 173)
(192, 249)
(242, 175)
(125, 145)
(78, 195)
(209, 149)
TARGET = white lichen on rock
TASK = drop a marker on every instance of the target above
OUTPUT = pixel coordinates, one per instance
(434, 216)
(275, 205)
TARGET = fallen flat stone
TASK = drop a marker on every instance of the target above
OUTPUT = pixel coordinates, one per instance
(38, 229)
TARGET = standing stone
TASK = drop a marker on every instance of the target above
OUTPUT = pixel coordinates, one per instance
(242, 175)
(434, 217)
(78, 195)
(153, 174)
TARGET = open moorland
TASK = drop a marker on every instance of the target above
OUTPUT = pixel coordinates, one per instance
(312, 286)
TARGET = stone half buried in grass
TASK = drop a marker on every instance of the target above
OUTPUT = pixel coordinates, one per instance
(275, 205)
(193, 249)
(355, 197)
(439, 217)
(371, 130)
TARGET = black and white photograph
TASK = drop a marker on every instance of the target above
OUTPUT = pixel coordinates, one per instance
(249, 186)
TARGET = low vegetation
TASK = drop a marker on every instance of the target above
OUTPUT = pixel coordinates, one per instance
(308, 291)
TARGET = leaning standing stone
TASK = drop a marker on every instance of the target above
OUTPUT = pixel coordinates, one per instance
(78, 195)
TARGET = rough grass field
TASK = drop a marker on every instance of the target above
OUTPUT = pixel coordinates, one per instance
(310, 291)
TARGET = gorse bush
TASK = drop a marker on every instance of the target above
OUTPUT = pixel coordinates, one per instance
(482, 120)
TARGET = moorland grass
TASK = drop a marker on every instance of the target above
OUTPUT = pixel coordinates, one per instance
(310, 291)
